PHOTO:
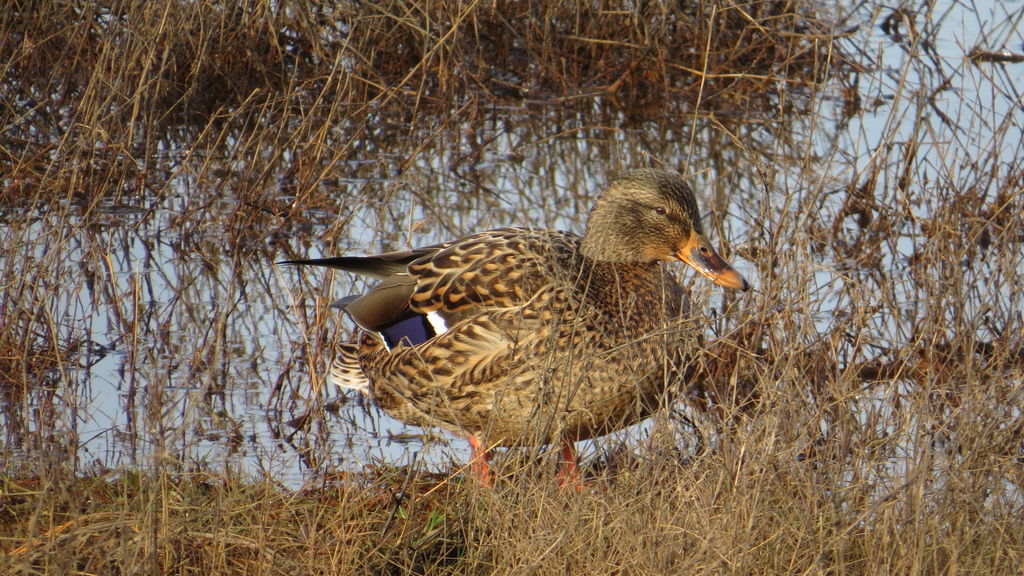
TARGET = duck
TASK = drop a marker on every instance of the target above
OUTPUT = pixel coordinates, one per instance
(528, 336)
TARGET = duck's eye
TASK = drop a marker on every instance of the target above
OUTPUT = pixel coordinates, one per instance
(661, 210)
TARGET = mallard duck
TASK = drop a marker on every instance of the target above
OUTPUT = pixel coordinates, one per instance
(526, 336)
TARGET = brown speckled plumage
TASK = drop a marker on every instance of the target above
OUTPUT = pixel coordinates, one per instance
(548, 336)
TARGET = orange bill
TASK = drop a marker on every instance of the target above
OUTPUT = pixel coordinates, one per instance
(699, 254)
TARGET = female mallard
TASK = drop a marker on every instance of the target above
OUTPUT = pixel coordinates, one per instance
(530, 336)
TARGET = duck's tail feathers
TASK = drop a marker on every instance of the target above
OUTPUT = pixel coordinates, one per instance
(346, 371)
(379, 266)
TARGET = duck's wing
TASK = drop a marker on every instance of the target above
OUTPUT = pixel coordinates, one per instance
(424, 291)
(498, 269)
(387, 303)
(490, 300)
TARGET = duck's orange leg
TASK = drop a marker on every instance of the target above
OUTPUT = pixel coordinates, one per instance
(568, 472)
(479, 462)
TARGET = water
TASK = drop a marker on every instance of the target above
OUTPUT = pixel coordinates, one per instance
(194, 347)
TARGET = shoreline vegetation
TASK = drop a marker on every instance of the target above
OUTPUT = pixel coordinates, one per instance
(872, 428)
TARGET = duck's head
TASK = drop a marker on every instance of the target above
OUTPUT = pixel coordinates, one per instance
(651, 215)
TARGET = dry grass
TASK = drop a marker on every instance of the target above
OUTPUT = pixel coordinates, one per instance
(860, 413)
(138, 80)
(749, 508)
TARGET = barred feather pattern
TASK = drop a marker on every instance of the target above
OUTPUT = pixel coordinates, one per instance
(346, 372)
(542, 343)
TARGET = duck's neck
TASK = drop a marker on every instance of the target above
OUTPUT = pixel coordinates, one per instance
(599, 247)
(636, 277)
(617, 281)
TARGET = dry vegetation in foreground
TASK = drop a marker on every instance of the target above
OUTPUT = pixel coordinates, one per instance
(871, 428)
(752, 506)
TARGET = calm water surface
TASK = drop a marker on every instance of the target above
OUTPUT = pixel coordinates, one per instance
(216, 358)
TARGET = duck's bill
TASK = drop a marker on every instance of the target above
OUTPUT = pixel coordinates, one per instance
(700, 255)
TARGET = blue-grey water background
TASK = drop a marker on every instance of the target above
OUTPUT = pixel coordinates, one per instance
(134, 397)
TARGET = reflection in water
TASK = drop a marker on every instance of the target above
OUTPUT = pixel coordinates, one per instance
(195, 348)
(183, 343)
